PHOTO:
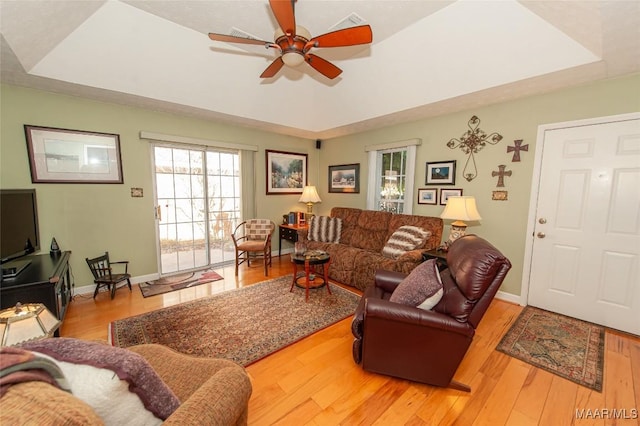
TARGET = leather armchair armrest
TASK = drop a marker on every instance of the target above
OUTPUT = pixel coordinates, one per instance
(388, 280)
(411, 343)
(398, 313)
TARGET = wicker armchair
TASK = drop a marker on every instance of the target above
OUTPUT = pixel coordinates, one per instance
(211, 392)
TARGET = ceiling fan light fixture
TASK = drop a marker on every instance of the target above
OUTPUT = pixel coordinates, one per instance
(292, 48)
(293, 58)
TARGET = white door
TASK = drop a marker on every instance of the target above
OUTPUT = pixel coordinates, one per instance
(586, 236)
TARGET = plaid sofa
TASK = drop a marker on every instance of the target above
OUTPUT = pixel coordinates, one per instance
(364, 233)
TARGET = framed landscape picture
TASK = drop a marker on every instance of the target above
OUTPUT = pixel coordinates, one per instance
(446, 193)
(345, 178)
(73, 156)
(286, 172)
(427, 196)
(441, 173)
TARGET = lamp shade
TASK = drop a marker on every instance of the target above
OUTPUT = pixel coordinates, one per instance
(461, 208)
(310, 195)
(30, 321)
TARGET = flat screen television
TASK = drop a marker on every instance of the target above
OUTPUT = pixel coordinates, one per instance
(19, 232)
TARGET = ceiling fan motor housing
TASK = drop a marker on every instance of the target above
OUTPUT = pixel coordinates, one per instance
(293, 47)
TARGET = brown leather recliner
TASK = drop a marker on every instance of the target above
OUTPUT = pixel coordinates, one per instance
(427, 346)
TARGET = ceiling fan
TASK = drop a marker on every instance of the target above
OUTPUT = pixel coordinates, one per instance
(294, 41)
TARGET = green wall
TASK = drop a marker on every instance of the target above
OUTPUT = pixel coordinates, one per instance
(504, 223)
(83, 219)
(89, 219)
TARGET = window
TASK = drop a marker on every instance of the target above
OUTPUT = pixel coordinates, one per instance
(391, 175)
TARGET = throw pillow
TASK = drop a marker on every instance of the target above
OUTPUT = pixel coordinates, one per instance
(422, 288)
(325, 229)
(404, 239)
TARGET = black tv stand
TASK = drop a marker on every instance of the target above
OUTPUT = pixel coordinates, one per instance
(13, 268)
(46, 280)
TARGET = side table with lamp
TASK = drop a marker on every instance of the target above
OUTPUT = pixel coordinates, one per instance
(289, 231)
(459, 209)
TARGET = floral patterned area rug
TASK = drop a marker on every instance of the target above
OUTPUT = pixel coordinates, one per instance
(178, 282)
(242, 325)
(562, 345)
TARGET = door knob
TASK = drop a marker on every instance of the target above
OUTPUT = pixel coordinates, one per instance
(541, 234)
(542, 221)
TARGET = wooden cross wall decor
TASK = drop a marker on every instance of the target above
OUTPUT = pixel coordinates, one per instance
(471, 142)
(501, 174)
(516, 149)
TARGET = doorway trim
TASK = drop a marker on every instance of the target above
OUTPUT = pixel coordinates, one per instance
(535, 186)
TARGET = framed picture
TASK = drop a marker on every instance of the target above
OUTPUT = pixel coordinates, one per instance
(441, 173)
(73, 156)
(286, 172)
(427, 196)
(446, 193)
(345, 178)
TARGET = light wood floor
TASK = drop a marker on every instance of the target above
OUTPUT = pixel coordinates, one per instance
(316, 382)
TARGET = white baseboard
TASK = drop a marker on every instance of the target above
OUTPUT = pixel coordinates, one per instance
(287, 251)
(89, 289)
(508, 297)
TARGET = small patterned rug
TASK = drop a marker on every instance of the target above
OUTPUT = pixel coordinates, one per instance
(178, 282)
(242, 325)
(562, 345)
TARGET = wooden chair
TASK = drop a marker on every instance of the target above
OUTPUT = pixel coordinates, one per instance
(103, 274)
(252, 240)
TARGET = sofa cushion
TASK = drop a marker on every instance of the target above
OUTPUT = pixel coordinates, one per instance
(371, 231)
(422, 288)
(325, 229)
(404, 239)
(349, 218)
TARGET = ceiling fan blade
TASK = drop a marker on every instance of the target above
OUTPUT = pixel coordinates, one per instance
(273, 68)
(233, 39)
(323, 66)
(346, 37)
(283, 10)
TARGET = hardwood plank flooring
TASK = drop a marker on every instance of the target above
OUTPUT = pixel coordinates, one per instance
(316, 382)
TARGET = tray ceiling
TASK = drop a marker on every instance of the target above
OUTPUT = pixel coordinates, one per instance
(427, 57)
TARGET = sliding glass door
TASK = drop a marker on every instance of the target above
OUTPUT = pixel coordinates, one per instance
(197, 206)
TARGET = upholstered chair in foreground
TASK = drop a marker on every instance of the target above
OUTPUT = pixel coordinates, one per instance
(427, 345)
(209, 391)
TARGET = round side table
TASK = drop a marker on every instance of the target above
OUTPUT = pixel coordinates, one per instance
(311, 261)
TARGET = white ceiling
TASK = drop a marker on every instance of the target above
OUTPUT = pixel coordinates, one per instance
(427, 57)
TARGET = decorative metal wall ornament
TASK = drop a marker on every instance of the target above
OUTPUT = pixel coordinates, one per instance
(501, 174)
(500, 195)
(516, 150)
(471, 142)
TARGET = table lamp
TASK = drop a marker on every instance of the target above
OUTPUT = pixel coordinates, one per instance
(459, 209)
(30, 321)
(310, 196)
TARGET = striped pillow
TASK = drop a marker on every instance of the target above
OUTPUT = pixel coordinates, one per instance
(325, 229)
(405, 238)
